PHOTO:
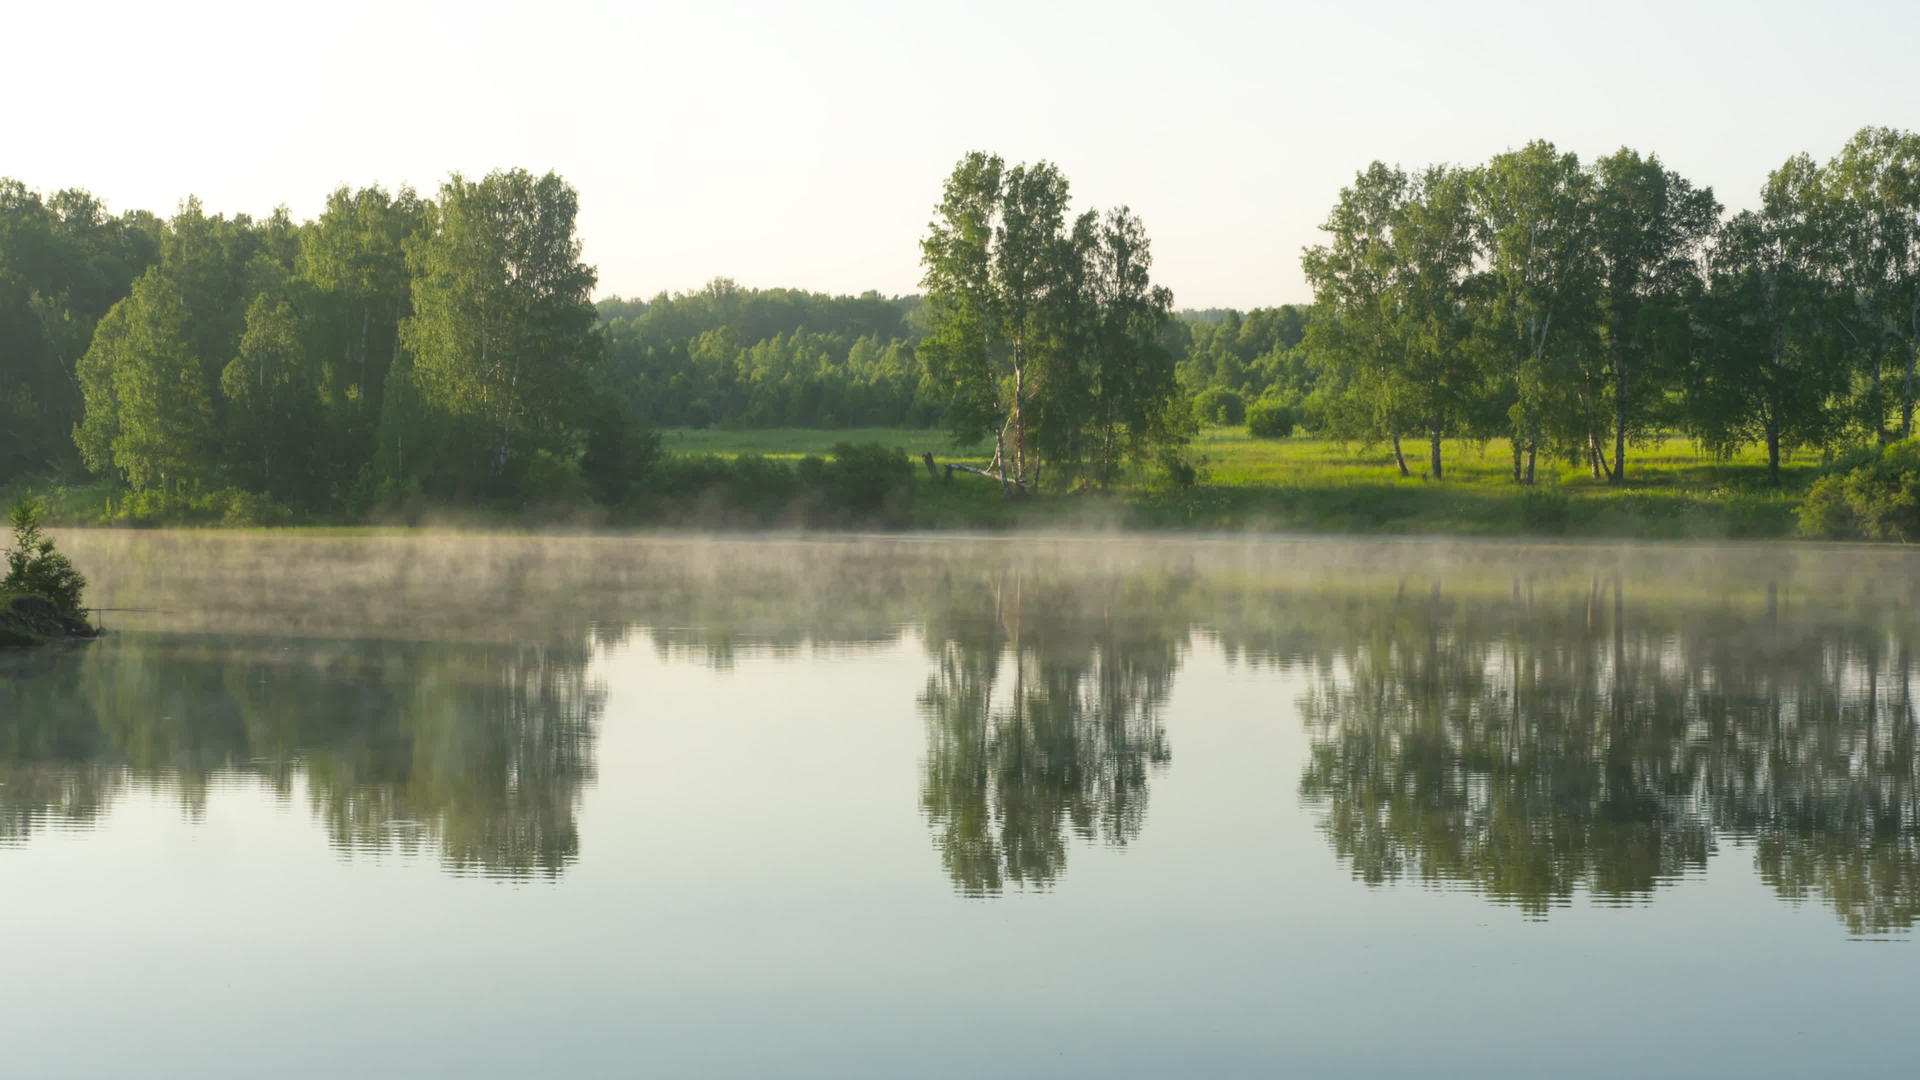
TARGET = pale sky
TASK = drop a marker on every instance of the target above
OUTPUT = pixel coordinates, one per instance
(803, 144)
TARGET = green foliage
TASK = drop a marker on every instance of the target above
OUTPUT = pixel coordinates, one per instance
(1176, 470)
(620, 451)
(860, 483)
(1877, 500)
(34, 567)
(273, 405)
(1252, 354)
(64, 261)
(1268, 419)
(227, 506)
(866, 478)
(400, 349)
(1046, 336)
(1220, 406)
(1650, 226)
(502, 335)
(767, 358)
(149, 398)
(1583, 309)
(1539, 323)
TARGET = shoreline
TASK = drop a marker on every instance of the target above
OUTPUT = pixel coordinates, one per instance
(1374, 511)
(28, 621)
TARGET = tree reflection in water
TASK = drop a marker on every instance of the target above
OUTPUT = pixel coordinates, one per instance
(1531, 723)
(1530, 748)
(480, 750)
(1043, 717)
(51, 775)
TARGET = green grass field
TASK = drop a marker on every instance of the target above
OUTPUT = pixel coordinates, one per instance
(1295, 484)
(1236, 459)
(1674, 489)
(1232, 458)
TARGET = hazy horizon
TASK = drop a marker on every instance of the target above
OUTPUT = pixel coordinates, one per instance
(806, 150)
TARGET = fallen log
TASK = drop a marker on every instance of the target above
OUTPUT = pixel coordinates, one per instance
(953, 468)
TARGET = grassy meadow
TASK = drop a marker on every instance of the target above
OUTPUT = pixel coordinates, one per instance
(1674, 489)
(1299, 484)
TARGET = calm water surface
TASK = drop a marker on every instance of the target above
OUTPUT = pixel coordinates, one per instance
(458, 806)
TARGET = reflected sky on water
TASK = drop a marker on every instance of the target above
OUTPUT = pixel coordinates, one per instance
(437, 805)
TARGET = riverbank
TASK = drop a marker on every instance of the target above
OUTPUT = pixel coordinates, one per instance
(789, 478)
(1304, 485)
(27, 620)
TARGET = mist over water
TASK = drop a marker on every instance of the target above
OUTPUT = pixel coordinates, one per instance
(782, 779)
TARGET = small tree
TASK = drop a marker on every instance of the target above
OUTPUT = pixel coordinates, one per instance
(34, 567)
(1219, 405)
(1269, 419)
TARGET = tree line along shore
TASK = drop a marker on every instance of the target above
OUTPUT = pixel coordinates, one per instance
(1638, 361)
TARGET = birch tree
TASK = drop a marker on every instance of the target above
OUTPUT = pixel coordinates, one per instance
(964, 342)
(1002, 288)
(1874, 183)
(272, 408)
(1770, 368)
(1355, 281)
(1650, 229)
(1435, 255)
(1535, 213)
(149, 405)
(502, 329)
(1133, 386)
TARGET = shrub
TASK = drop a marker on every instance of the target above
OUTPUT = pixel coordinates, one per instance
(229, 506)
(553, 482)
(859, 481)
(1177, 470)
(761, 483)
(1268, 419)
(1219, 405)
(1826, 512)
(867, 476)
(34, 567)
(812, 472)
(1877, 500)
(246, 508)
(620, 449)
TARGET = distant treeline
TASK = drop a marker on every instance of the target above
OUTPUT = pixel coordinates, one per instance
(770, 358)
(402, 348)
(730, 356)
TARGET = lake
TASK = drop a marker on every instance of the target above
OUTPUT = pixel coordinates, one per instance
(456, 805)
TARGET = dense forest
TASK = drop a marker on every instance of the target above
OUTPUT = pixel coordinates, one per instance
(730, 356)
(400, 347)
(770, 358)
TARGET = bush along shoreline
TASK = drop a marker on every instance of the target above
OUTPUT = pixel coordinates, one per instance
(40, 596)
(630, 483)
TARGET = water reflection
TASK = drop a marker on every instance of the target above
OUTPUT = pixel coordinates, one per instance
(1043, 717)
(50, 774)
(478, 751)
(1539, 743)
(1531, 724)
